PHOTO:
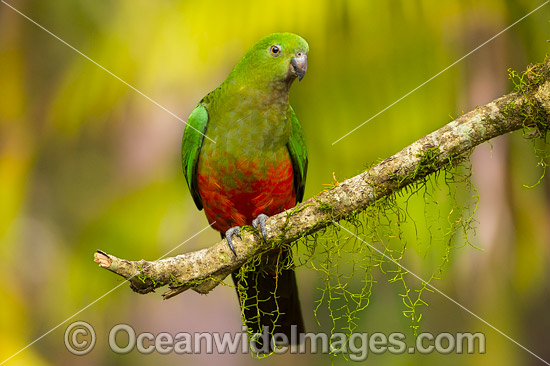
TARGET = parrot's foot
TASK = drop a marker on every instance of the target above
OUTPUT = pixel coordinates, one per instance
(235, 230)
(260, 221)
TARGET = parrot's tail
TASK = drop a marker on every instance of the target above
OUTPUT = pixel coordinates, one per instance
(269, 302)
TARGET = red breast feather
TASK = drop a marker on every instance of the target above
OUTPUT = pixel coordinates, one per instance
(249, 191)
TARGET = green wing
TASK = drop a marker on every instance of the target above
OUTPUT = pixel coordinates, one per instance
(193, 136)
(298, 154)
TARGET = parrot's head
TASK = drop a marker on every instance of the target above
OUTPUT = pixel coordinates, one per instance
(279, 58)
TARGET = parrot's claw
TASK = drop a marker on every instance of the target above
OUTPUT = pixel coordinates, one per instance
(260, 221)
(235, 230)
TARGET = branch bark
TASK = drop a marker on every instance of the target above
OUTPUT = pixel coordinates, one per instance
(204, 269)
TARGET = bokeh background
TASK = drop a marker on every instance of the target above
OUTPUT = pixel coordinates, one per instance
(87, 162)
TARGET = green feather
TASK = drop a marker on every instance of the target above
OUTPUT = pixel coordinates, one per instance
(298, 154)
(193, 137)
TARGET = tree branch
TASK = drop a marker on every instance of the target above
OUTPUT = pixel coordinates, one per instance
(204, 269)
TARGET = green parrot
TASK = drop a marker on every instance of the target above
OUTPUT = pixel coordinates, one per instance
(244, 158)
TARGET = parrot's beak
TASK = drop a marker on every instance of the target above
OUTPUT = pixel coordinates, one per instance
(299, 65)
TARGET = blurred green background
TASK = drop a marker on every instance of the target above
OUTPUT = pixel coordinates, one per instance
(86, 162)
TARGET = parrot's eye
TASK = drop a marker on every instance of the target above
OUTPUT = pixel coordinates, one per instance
(275, 50)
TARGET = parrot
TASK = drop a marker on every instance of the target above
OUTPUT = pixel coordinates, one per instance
(244, 158)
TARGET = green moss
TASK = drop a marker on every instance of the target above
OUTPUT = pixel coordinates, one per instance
(430, 162)
(325, 207)
(536, 121)
(147, 279)
(349, 268)
(174, 282)
(533, 77)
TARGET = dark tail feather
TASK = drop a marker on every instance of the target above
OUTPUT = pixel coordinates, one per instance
(271, 300)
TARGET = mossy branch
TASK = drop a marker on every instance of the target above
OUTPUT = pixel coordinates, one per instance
(202, 270)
